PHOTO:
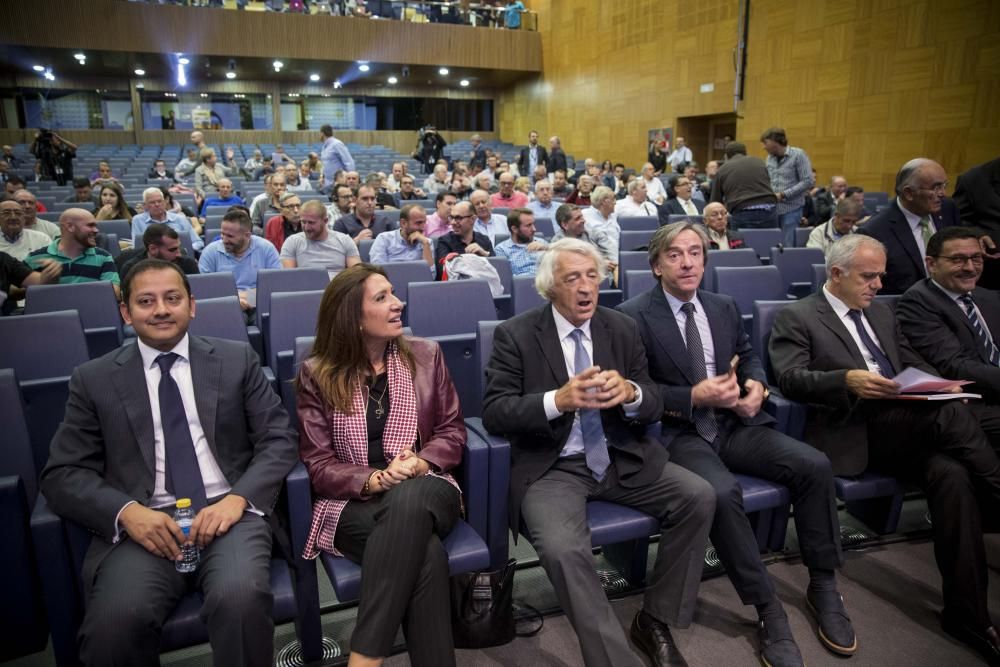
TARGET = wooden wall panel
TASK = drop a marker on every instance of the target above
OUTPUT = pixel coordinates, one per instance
(861, 85)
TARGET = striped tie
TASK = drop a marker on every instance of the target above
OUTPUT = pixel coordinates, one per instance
(992, 354)
(704, 418)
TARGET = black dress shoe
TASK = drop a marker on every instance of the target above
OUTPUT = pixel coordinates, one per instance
(833, 624)
(776, 644)
(654, 638)
(985, 642)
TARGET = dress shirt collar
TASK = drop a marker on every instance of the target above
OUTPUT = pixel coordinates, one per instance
(912, 218)
(564, 327)
(838, 306)
(722, 240)
(676, 304)
(955, 296)
(149, 354)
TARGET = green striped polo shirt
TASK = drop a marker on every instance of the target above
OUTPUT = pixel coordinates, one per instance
(92, 264)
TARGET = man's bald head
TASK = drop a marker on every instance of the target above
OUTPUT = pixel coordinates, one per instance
(72, 215)
(78, 227)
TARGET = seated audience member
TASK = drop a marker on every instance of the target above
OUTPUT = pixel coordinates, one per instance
(826, 199)
(159, 170)
(13, 183)
(837, 351)
(352, 179)
(655, 191)
(314, 167)
(267, 204)
(540, 173)
(714, 426)
(919, 210)
(581, 195)
(10, 158)
(438, 180)
(240, 252)
(223, 197)
(83, 193)
(76, 249)
(96, 476)
(463, 238)
(484, 182)
(845, 220)
(180, 209)
(521, 249)
(570, 445)
(461, 186)
(364, 223)
(159, 241)
(155, 211)
(572, 225)
(409, 243)
(636, 203)
(543, 206)
(407, 191)
(720, 235)
(342, 200)
(293, 180)
(186, 166)
(280, 158)
(16, 277)
(507, 196)
(522, 184)
(208, 175)
(29, 206)
(744, 186)
(266, 167)
(682, 202)
(439, 222)
(600, 215)
(392, 182)
(705, 188)
(253, 163)
(560, 186)
(952, 322)
(15, 240)
(103, 175)
(488, 223)
(691, 173)
(280, 227)
(317, 245)
(364, 402)
(113, 205)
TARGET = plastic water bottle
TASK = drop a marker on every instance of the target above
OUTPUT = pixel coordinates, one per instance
(184, 516)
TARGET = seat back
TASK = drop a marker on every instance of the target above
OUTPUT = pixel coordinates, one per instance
(631, 260)
(683, 217)
(632, 240)
(762, 240)
(401, 274)
(450, 307)
(272, 281)
(123, 228)
(639, 223)
(802, 236)
(738, 257)
(795, 264)
(747, 284)
(15, 456)
(484, 348)
(545, 227)
(524, 295)
(212, 285)
(637, 282)
(96, 304)
(365, 249)
(220, 317)
(44, 345)
(819, 276)
(764, 312)
(293, 314)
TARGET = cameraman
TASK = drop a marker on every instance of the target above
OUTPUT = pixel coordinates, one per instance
(430, 146)
(56, 155)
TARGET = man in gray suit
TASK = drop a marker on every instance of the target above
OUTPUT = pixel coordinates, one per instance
(135, 437)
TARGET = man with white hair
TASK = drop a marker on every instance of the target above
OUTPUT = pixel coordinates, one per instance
(543, 206)
(154, 207)
(438, 180)
(487, 222)
(576, 434)
(600, 215)
(636, 203)
(655, 191)
(680, 156)
(224, 197)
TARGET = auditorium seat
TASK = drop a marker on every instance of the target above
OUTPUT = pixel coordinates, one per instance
(272, 281)
(717, 258)
(639, 223)
(795, 265)
(401, 274)
(545, 227)
(802, 236)
(682, 217)
(819, 276)
(747, 284)
(637, 282)
(634, 240)
(523, 294)
(365, 249)
(874, 499)
(123, 228)
(503, 302)
(96, 304)
(294, 314)
(762, 240)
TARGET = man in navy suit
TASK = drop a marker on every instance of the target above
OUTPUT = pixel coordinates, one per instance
(713, 388)
(919, 210)
(682, 202)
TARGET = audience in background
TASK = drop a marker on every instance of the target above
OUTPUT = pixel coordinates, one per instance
(155, 211)
(342, 200)
(438, 180)
(15, 239)
(521, 249)
(680, 156)
(601, 215)
(847, 214)
(655, 191)
(531, 156)
(317, 245)
(280, 227)
(826, 199)
(791, 180)
(159, 241)
(571, 224)
(720, 235)
(507, 196)
(208, 175)
(463, 238)
(580, 196)
(223, 197)
(16, 277)
(267, 204)
(407, 191)
(334, 154)
(744, 186)
(113, 204)
(487, 222)
(363, 223)
(408, 244)
(29, 204)
(186, 166)
(159, 170)
(294, 182)
(636, 203)
(240, 252)
(76, 249)
(543, 206)
(439, 222)
(682, 203)
(83, 193)
(253, 163)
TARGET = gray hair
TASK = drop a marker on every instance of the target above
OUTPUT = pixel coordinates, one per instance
(908, 172)
(600, 193)
(842, 253)
(149, 192)
(632, 185)
(664, 237)
(288, 196)
(848, 206)
(545, 276)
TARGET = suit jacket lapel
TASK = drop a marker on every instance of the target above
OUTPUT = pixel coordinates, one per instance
(206, 373)
(829, 319)
(951, 309)
(663, 325)
(551, 346)
(901, 228)
(602, 339)
(129, 381)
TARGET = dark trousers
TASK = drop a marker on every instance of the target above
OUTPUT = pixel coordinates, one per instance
(942, 449)
(762, 452)
(134, 591)
(396, 538)
(554, 512)
(754, 219)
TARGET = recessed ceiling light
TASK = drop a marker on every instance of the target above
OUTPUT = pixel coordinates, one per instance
(464, 83)
(393, 79)
(140, 72)
(314, 77)
(443, 71)
(364, 68)
(204, 94)
(230, 75)
(277, 64)
(80, 56)
(38, 68)
(184, 61)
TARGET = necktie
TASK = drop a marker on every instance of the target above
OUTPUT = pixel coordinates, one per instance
(594, 445)
(183, 476)
(992, 354)
(689, 208)
(704, 418)
(884, 365)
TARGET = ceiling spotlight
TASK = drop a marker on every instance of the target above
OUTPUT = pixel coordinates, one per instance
(140, 72)
(464, 83)
(49, 76)
(183, 61)
(80, 56)
(443, 71)
(38, 68)
(337, 84)
(314, 77)
(230, 75)
(277, 65)
(140, 85)
(204, 94)
(393, 79)
(364, 68)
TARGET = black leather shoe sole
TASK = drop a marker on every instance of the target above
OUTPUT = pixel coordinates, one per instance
(974, 640)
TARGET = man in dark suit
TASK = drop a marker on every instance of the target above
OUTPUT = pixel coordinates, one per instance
(836, 350)
(953, 323)
(135, 438)
(713, 424)
(682, 203)
(576, 430)
(557, 157)
(919, 210)
(477, 156)
(531, 156)
(977, 195)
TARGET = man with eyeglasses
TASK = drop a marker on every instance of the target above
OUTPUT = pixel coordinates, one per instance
(837, 350)
(462, 238)
(280, 227)
(683, 203)
(919, 210)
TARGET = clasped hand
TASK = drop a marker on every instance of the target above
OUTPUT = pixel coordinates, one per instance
(594, 389)
(159, 534)
(723, 391)
(405, 466)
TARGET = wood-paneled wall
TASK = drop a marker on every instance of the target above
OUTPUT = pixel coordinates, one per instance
(861, 85)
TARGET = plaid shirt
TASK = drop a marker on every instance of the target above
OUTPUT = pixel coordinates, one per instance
(791, 175)
(522, 261)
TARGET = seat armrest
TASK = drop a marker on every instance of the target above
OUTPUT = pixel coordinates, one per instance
(789, 415)
(299, 496)
(474, 480)
(499, 489)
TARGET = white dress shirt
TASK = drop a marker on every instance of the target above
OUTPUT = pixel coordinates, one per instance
(842, 309)
(574, 444)
(704, 329)
(496, 225)
(609, 225)
(679, 155)
(655, 190)
(918, 235)
(628, 206)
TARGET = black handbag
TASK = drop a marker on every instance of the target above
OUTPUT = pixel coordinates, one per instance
(482, 609)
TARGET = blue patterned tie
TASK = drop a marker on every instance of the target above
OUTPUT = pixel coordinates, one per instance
(183, 475)
(704, 418)
(884, 365)
(992, 354)
(594, 445)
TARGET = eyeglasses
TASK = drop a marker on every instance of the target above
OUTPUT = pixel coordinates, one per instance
(960, 260)
(294, 206)
(457, 218)
(937, 188)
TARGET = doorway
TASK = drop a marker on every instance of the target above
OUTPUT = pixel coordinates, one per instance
(707, 136)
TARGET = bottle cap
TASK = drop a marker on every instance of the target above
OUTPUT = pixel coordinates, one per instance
(183, 502)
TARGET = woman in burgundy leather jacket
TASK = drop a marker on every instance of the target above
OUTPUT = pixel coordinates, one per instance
(380, 427)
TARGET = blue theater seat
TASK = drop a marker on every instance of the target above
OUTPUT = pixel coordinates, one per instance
(94, 301)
